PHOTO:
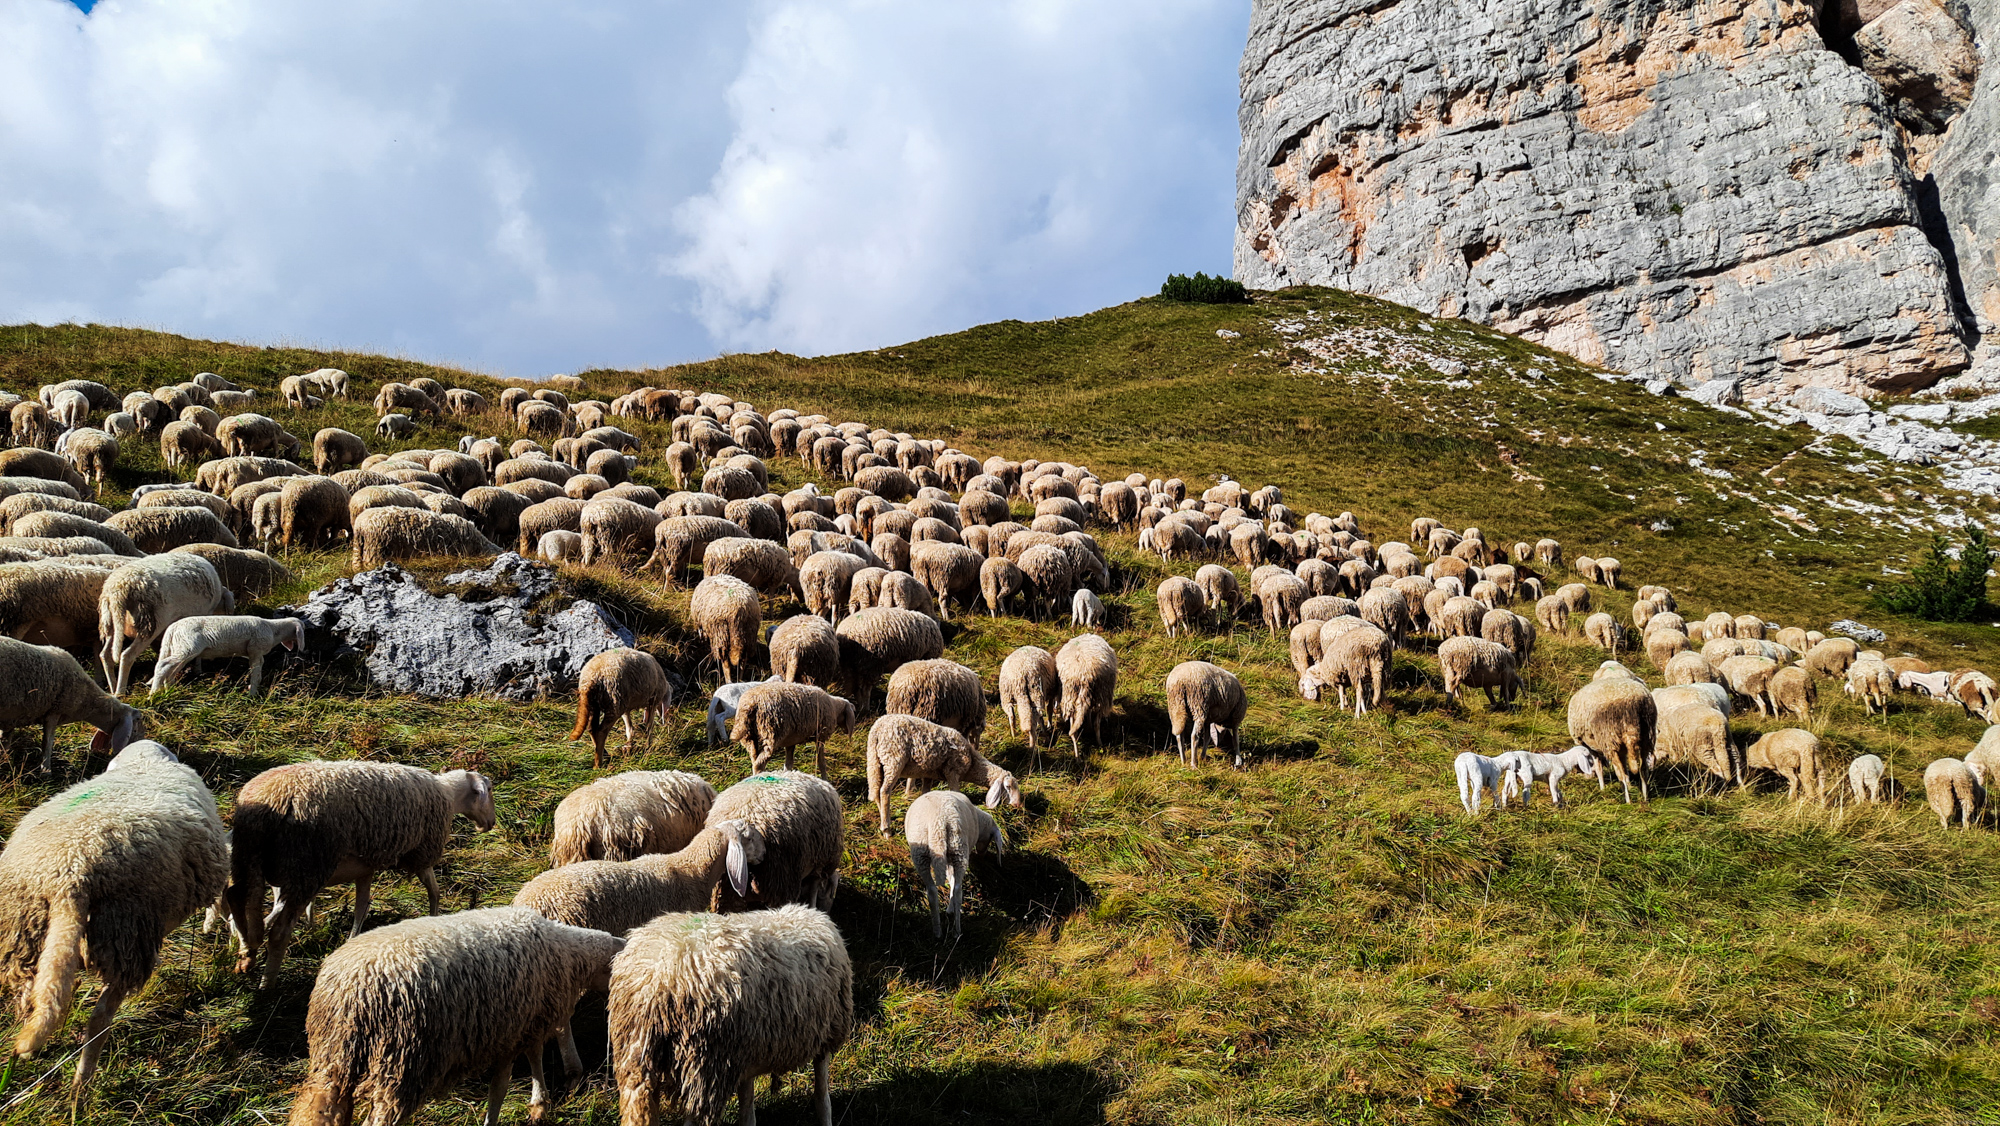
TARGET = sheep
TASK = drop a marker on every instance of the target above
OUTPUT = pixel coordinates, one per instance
(335, 449)
(161, 528)
(96, 878)
(1280, 595)
(806, 650)
(1358, 658)
(41, 464)
(944, 831)
(614, 896)
(1955, 789)
(613, 685)
(1791, 690)
(50, 524)
(1871, 682)
(947, 569)
(1693, 733)
(774, 717)
(1050, 577)
(1793, 754)
(877, 641)
(95, 453)
(1182, 605)
(560, 547)
(626, 816)
(701, 1005)
(1477, 773)
(909, 748)
(1086, 610)
(1030, 693)
(1203, 702)
(25, 504)
(400, 1015)
(384, 534)
(300, 827)
(1975, 692)
(1663, 645)
(1521, 769)
(612, 528)
(799, 816)
(1386, 609)
(52, 601)
(1750, 678)
(1087, 669)
(725, 610)
(213, 637)
(1616, 717)
(140, 600)
(405, 398)
(1832, 656)
(722, 705)
(1865, 776)
(941, 691)
(1506, 628)
(1474, 662)
(1604, 631)
(763, 565)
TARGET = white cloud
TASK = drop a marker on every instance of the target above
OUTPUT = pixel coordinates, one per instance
(529, 187)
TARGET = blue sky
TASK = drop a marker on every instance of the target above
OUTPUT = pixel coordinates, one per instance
(527, 188)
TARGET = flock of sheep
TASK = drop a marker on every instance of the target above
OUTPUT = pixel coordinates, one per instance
(702, 914)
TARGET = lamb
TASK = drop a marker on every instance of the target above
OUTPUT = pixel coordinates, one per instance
(1474, 662)
(806, 650)
(908, 748)
(1955, 789)
(96, 878)
(1030, 692)
(1870, 681)
(944, 831)
(1616, 718)
(1203, 702)
(626, 816)
(778, 717)
(140, 600)
(401, 1015)
(725, 610)
(1793, 754)
(384, 534)
(613, 685)
(799, 816)
(1791, 690)
(1521, 769)
(1086, 610)
(614, 896)
(722, 705)
(1358, 658)
(881, 639)
(217, 637)
(300, 827)
(1087, 668)
(1477, 774)
(941, 691)
(701, 1005)
(1865, 776)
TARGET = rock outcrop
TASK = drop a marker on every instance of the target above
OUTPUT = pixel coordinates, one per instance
(1696, 191)
(507, 631)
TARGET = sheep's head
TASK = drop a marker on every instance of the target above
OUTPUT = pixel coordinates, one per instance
(1004, 786)
(472, 796)
(1310, 686)
(847, 715)
(746, 847)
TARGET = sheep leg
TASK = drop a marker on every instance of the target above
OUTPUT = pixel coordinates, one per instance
(256, 673)
(290, 903)
(819, 757)
(955, 874)
(572, 1062)
(429, 877)
(363, 890)
(931, 895)
(93, 1036)
(496, 1092)
(49, 745)
(746, 1101)
(125, 662)
(538, 1090)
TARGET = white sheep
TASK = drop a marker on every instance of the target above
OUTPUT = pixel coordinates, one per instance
(142, 598)
(1086, 611)
(1477, 774)
(1524, 768)
(723, 704)
(1865, 778)
(210, 637)
(944, 830)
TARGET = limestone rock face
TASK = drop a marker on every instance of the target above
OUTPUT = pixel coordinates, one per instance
(1700, 191)
(1966, 182)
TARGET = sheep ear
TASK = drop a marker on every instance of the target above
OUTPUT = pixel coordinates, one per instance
(994, 791)
(738, 864)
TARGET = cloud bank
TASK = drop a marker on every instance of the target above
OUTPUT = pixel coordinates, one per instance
(528, 188)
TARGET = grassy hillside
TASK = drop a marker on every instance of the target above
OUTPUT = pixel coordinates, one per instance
(1322, 937)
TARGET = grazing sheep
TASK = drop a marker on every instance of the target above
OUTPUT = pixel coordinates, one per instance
(827, 578)
(1750, 678)
(1975, 692)
(53, 601)
(1477, 774)
(1604, 632)
(1280, 594)
(765, 566)
(24, 504)
(163, 528)
(1203, 702)
(806, 650)
(941, 691)
(335, 449)
(1693, 733)
(799, 816)
(905, 748)
(1955, 789)
(614, 896)
(401, 1015)
(1050, 577)
(1793, 754)
(1865, 776)
(1791, 690)
(725, 611)
(1086, 610)
(613, 685)
(1030, 693)
(219, 637)
(560, 547)
(1552, 611)
(999, 582)
(1832, 656)
(615, 529)
(626, 816)
(1521, 769)
(1869, 681)
(1663, 645)
(945, 830)
(1474, 662)
(722, 705)
(50, 524)
(947, 569)
(1087, 668)
(96, 878)
(1616, 717)
(877, 641)
(1358, 658)
(1506, 628)
(385, 534)
(1182, 605)
(300, 827)
(701, 1005)
(774, 717)
(140, 600)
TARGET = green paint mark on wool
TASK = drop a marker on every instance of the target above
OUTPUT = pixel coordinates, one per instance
(80, 797)
(767, 778)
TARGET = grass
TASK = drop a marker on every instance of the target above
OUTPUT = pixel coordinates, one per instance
(1323, 937)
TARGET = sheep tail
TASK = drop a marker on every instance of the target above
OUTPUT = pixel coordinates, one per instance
(326, 1098)
(585, 711)
(55, 976)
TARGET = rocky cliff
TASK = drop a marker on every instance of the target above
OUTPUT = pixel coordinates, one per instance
(1757, 190)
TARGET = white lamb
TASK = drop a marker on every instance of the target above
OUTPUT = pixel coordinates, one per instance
(1524, 768)
(1086, 611)
(944, 829)
(210, 637)
(1477, 774)
(722, 708)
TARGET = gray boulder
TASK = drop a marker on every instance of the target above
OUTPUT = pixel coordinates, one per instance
(508, 631)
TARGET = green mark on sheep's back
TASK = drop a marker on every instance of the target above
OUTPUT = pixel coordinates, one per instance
(80, 797)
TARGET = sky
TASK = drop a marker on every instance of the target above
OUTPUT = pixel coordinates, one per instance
(526, 188)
